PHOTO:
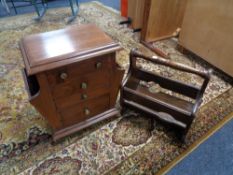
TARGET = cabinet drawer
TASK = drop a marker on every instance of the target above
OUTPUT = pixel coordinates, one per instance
(67, 73)
(85, 110)
(82, 84)
(78, 97)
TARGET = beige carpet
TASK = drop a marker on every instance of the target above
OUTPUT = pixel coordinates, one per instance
(128, 145)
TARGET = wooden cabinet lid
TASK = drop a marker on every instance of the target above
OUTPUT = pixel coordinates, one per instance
(54, 49)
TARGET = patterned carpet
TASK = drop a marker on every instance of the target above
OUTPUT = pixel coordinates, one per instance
(133, 144)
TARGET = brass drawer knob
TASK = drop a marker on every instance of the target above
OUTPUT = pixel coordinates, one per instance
(84, 85)
(84, 96)
(98, 65)
(63, 76)
(87, 111)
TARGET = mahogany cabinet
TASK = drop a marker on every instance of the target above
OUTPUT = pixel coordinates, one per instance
(71, 76)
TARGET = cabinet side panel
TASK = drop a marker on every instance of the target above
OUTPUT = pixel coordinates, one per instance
(207, 31)
(115, 81)
(46, 104)
(136, 12)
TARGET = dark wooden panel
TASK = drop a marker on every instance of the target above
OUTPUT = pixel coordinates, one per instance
(150, 112)
(158, 106)
(167, 83)
(160, 96)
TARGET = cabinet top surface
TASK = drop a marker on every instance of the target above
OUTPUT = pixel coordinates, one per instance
(61, 47)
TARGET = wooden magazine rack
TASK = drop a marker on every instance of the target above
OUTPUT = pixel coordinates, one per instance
(168, 109)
